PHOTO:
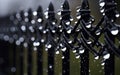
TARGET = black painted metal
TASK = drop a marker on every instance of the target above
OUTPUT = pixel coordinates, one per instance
(81, 38)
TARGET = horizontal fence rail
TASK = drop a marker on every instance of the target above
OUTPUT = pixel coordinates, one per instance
(32, 34)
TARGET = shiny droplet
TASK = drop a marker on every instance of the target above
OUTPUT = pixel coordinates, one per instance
(64, 49)
(35, 48)
(39, 20)
(69, 31)
(74, 51)
(32, 38)
(35, 13)
(67, 23)
(42, 40)
(102, 4)
(23, 28)
(102, 10)
(77, 57)
(114, 31)
(78, 17)
(106, 56)
(36, 43)
(117, 15)
(103, 63)
(57, 52)
(40, 27)
(70, 41)
(89, 42)
(96, 57)
(88, 25)
(49, 46)
(59, 13)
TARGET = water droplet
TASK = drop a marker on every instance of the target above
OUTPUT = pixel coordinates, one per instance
(74, 51)
(61, 30)
(32, 38)
(103, 63)
(102, 4)
(71, 19)
(33, 21)
(88, 25)
(35, 13)
(67, 23)
(46, 16)
(70, 41)
(13, 69)
(96, 57)
(21, 39)
(78, 10)
(23, 28)
(117, 15)
(106, 56)
(40, 27)
(6, 37)
(64, 49)
(35, 48)
(53, 23)
(46, 13)
(61, 45)
(49, 46)
(26, 19)
(42, 40)
(39, 20)
(102, 10)
(44, 31)
(59, 13)
(69, 31)
(63, 57)
(26, 14)
(77, 57)
(89, 42)
(98, 32)
(57, 52)
(18, 42)
(53, 31)
(25, 45)
(31, 28)
(81, 50)
(36, 43)
(114, 31)
(78, 17)
(50, 66)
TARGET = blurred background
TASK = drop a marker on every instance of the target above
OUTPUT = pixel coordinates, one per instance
(8, 7)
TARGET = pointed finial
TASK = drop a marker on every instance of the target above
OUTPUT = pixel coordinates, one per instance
(85, 4)
(65, 5)
(22, 15)
(30, 14)
(51, 7)
(39, 10)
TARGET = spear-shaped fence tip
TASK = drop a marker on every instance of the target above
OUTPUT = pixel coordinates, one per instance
(65, 5)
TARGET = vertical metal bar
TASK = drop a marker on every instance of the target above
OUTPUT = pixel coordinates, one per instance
(40, 60)
(110, 65)
(21, 60)
(51, 61)
(65, 62)
(13, 69)
(29, 59)
(85, 63)
(85, 17)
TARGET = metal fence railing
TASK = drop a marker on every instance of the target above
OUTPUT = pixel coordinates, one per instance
(33, 32)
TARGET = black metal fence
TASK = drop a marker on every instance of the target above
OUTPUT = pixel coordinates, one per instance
(31, 33)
